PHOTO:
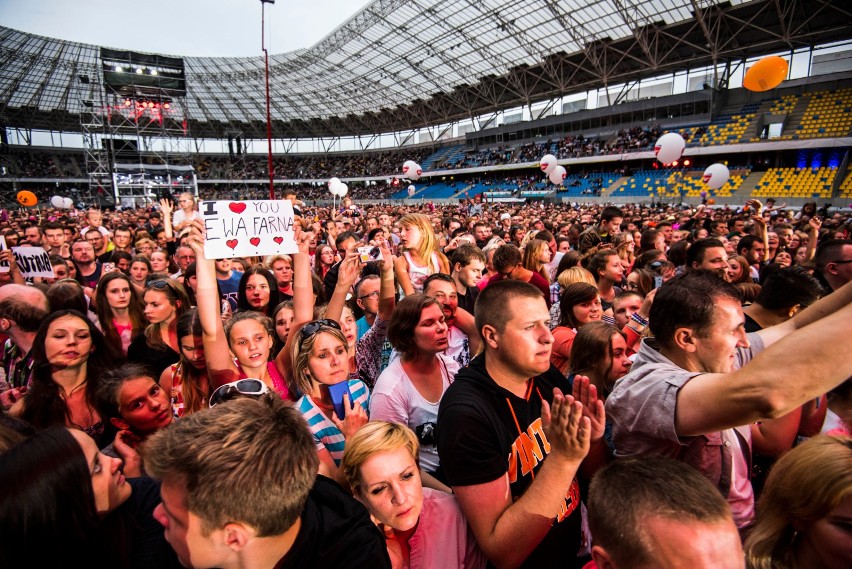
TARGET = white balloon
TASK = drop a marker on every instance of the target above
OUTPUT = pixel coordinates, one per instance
(332, 184)
(409, 166)
(557, 175)
(547, 163)
(342, 189)
(57, 201)
(414, 172)
(67, 203)
(669, 147)
(716, 175)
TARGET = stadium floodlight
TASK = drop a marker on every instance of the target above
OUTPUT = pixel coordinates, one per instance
(153, 72)
(119, 69)
(139, 71)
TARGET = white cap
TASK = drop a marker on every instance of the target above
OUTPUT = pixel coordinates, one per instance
(505, 216)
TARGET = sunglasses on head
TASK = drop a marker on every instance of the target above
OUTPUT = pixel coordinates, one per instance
(315, 326)
(159, 285)
(248, 387)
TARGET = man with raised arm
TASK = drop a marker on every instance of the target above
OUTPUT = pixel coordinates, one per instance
(695, 389)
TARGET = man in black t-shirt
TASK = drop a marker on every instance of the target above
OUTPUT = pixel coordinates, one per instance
(468, 263)
(511, 440)
(240, 489)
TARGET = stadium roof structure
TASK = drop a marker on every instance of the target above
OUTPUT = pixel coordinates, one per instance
(406, 64)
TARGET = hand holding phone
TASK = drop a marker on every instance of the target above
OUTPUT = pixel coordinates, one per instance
(337, 391)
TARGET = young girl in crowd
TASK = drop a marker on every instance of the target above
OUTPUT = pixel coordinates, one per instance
(70, 355)
(133, 402)
(249, 334)
(409, 390)
(324, 260)
(186, 382)
(579, 305)
(119, 310)
(165, 300)
(65, 504)
(536, 255)
(282, 317)
(140, 268)
(258, 291)
(423, 527)
(421, 256)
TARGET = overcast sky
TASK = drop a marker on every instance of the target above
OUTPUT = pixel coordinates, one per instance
(181, 27)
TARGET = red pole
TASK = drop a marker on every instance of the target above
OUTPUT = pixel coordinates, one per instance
(268, 119)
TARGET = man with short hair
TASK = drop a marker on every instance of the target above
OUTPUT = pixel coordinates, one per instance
(367, 298)
(122, 238)
(22, 310)
(256, 501)
(60, 269)
(468, 262)
(783, 293)
(89, 269)
(184, 257)
(462, 339)
(101, 246)
(696, 387)
(507, 265)
(33, 236)
(54, 240)
(658, 512)
(753, 249)
(833, 261)
(708, 254)
(346, 241)
(511, 441)
(602, 232)
(482, 233)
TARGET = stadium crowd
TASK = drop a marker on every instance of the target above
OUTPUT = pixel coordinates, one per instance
(430, 386)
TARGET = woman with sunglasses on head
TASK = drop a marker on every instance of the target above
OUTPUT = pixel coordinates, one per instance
(186, 382)
(65, 504)
(249, 334)
(119, 310)
(69, 357)
(165, 300)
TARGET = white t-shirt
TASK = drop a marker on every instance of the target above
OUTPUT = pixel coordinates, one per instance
(395, 399)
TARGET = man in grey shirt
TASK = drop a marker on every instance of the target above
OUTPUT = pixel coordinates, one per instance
(695, 388)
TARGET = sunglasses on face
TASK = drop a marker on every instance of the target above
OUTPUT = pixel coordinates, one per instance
(248, 387)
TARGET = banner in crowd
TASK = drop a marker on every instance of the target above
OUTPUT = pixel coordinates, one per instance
(249, 228)
(32, 261)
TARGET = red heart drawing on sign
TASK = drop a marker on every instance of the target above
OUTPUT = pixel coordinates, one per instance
(255, 241)
(237, 207)
(232, 243)
(278, 240)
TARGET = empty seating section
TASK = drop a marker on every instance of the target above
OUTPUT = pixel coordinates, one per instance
(846, 186)
(796, 183)
(728, 130)
(828, 114)
(439, 190)
(784, 105)
(435, 161)
(642, 184)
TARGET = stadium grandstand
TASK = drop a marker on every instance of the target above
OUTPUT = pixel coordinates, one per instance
(476, 93)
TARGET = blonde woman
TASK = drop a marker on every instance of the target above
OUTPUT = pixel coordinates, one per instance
(423, 527)
(803, 514)
(421, 256)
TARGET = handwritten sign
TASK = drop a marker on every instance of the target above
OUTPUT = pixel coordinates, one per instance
(248, 228)
(33, 262)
